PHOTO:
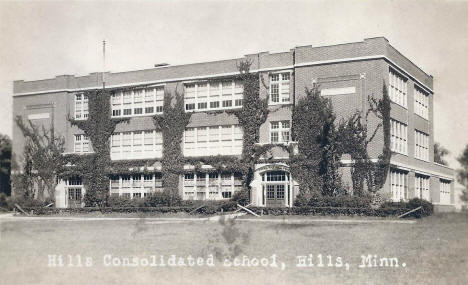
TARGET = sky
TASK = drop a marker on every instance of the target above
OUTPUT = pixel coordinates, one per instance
(40, 40)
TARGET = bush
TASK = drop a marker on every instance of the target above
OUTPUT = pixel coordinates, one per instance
(426, 210)
(301, 200)
(162, 199)
(241, 197)
(340, 202)
(4, 202)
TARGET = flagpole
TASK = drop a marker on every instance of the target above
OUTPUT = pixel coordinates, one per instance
(103, 64)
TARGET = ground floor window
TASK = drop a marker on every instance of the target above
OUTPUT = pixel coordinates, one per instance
(399, 184)
(211, 186)
(135, 185)
(444, 191)
(422, 187)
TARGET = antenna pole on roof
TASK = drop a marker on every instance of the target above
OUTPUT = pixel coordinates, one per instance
(103, 64)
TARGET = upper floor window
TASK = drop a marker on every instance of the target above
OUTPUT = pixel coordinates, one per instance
(421, 149)
(81, 106)
(421, 103)
(398, 89)
(213, 140)
(137, 102)
(398, 137)
(137, 144)
(213, 95)
(280, 132)
(81, 144)
(279, 88)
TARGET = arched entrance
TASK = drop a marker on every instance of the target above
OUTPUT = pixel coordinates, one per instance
(276, 186)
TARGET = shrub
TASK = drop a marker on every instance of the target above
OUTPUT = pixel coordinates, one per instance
(301, 200)
(241, 197)
(426, 210)
(4, 202)
(162, 199)
(340, 202)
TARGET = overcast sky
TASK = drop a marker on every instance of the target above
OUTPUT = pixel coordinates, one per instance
(42, 40)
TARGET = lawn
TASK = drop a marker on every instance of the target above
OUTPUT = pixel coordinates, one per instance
(434, 251)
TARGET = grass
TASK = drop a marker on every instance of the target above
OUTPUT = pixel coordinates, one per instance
(434, 249)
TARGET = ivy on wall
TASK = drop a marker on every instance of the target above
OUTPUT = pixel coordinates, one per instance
(316, 165)
(253, 114)
(172, 124)
(94, 168)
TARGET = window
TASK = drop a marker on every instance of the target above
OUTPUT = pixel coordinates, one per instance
(399, 185)
(398, 88)
(444, 192)
(398, 137)
(421, 149)
(134, 185)
(213, 140)
(81, 107)
(280, 191)
(81, 144)
(280, 132)
(422, 187)
(138, 144)
(213, 95)
(279, 88)
(217, 186)
(421, 102)
(74, 194)
(270, 191)
(136, 195)
(137, 102)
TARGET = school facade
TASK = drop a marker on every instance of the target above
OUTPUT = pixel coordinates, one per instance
(348, 74)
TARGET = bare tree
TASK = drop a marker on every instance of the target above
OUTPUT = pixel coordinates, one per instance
(43, 157)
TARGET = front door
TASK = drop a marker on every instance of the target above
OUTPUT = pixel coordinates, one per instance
(275, 195)
(74, 197)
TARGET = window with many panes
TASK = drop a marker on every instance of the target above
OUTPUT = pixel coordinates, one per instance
(213, 140)
(399, 185)
(444, 191)
(422, 187)
(398, 88)
(280, 131)
(82, 144)
(213, 186)
(137, 144)
(138, 102)
(136, 185)
(398, 137)
(279, 88)
(81, 106)
(421, 149)
(421, 102)
(213, 95)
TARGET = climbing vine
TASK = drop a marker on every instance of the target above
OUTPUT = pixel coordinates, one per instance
(356, 139)
(253, 114)
(95, 167)
(316, 165)
(172, 124)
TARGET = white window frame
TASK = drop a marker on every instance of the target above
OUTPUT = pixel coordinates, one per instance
(421, 102)
(79, 144)
(118, 153)
(399, 185)
(154, 184)
(212, 186)
(213, 140)
(81, 106)
(422, 187)
(284, 87)
(280, 131)
(444, 192)
(398, 137)
(156, 102)
(421, 145)
(398, 88)
(234, 95)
